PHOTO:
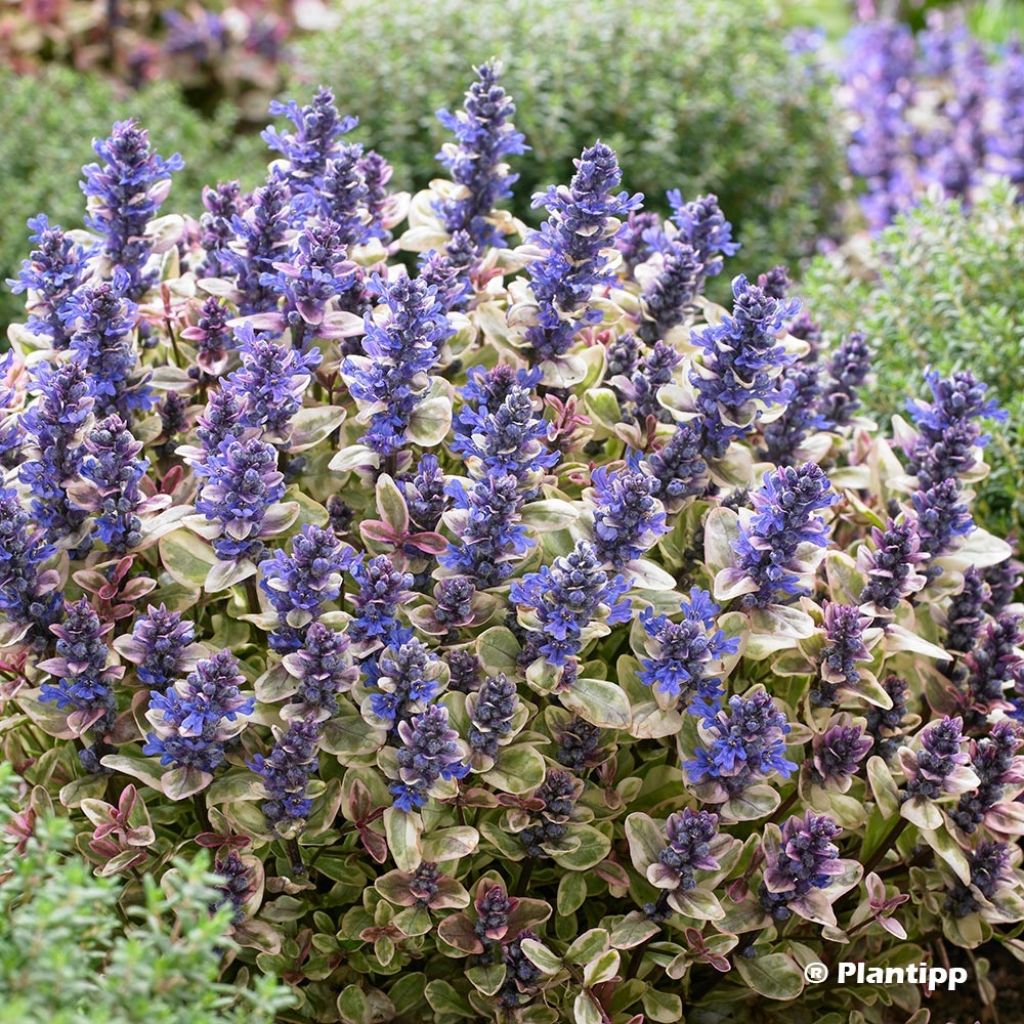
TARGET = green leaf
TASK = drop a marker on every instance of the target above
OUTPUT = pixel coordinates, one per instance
(407, 993)
(721, 534)
(602, 968)
(646, 841)
(753, 803)
(585, 1010)
(948, 849)
(549, 515)
(450, 844)
(883, 786)
(772, 975)
(572, 893)
(391, 504)
(663, 1007)
(430, 422)
(313, 424)
(181, 783)
(598, 702)
(487, 980)
(594, 847)
(354, 456)
(590, 944)
(402, 831)
(145, 769)
(498, 650)
(186, 558)
(353, 1007)
(519, 769)
(540, 956)
(632, 930)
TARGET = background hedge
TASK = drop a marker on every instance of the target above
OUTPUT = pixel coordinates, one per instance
(692, 94)
(941, 287)
(47, 124)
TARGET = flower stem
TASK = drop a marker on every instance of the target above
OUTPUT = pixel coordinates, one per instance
(522, 886)
(894, 833)
(295, 856)
(252, 595)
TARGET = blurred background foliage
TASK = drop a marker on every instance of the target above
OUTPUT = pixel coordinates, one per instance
(700, 96)
(941, 287)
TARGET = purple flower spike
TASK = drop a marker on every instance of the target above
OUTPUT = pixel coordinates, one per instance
(286, 771)
(703, 226)
(844, 649)
(739, 370)
(487, 522)
(125, 192)
(111, 471)
(162, 647)
(53, 271)
(314, 140)
(381, 591)
(807, 860)
(583, 218)
(783, 519)
(271, 380)
(491, 710)
(938, 765)
(669, 295)
(681, 653)
(102, 319)
(390, 377)
(29, 594)
(838, 753)
(242, 482)
(691, 836)
(484, 139)
(627, 518)
(567, 596)
(847, 370)
(431, 752)
(998, 765)
(747, 744)
(890, 567)
(324, 668)
(222, 203)
(194, 720)
(55, 425)
(300, 584)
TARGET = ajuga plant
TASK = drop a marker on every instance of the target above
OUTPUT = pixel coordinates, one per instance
(530, 638)
(932, 111)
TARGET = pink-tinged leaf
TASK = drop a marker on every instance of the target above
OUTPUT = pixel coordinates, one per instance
(382, 533)
(430, 543)
(374, 844)
(458, 931)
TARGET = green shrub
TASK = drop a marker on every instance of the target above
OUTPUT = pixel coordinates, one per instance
(47, 124)
(698, 95)
(75, 949)
(942, 287)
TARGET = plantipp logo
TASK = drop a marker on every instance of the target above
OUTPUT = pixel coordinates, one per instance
(854, 973)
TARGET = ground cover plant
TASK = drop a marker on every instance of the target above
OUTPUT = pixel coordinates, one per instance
(528, 637)
(215, 50)
(937, 110)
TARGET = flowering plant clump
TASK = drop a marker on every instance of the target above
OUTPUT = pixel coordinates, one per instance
(219, 49)
(529, 637)
(935, 110)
